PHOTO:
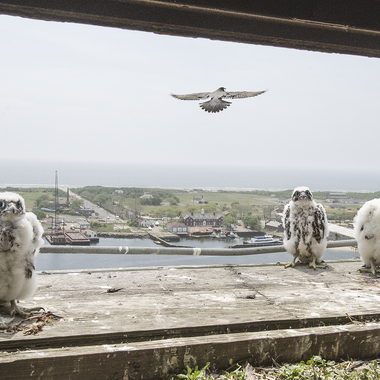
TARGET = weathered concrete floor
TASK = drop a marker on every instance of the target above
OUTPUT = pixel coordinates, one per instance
(174, 308)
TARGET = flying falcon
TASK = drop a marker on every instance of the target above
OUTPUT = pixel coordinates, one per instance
(305, 229)
(367, 234)
(216, 102)
(20, 240)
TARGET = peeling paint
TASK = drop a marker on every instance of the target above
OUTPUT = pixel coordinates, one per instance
(188, 359)
(117, 348)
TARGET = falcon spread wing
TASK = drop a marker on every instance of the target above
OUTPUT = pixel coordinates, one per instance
(242, 94)
(195, 96)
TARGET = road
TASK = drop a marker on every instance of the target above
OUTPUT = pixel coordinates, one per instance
(103, 214)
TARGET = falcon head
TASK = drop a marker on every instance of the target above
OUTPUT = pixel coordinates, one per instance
(12, 205)
(302, 193)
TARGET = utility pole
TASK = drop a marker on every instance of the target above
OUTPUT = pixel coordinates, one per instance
(55, 200)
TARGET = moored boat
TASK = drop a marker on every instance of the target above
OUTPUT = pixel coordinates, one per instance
(263, 240)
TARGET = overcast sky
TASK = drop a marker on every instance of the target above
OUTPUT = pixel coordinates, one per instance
(102, 94)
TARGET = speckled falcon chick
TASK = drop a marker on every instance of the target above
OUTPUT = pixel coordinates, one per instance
(305, 229)
(20, 240)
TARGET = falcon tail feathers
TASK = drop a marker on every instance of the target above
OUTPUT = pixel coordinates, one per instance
(214, 105)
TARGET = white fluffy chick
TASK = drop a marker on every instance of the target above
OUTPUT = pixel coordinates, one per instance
(367, 234)
(305, 229)
(20, 240)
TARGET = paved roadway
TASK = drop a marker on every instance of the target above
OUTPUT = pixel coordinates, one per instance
(103, 214)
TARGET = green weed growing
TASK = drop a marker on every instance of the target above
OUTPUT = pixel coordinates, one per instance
(316, 368)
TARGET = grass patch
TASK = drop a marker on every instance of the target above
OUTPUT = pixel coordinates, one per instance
(316, 368)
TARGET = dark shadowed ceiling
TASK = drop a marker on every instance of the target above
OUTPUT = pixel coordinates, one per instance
(338, 26)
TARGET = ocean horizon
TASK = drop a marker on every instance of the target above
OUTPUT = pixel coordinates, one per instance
(207, 177)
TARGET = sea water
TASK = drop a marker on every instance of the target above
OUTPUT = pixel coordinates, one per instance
(40, 173)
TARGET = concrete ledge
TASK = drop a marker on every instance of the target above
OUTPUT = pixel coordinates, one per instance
(163, 319)
(158, 359)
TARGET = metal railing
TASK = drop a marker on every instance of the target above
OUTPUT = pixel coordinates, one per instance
(124, 250)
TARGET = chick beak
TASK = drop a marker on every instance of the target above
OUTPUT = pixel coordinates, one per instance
(11, 209)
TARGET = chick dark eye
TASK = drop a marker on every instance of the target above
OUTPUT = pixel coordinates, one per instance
(2, 204)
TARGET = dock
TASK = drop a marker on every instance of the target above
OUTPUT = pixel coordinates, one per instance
(147, 323)
(159, 240)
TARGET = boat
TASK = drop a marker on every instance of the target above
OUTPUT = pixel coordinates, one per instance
(64, 238)
(57, 238)
(221, 235)
(91, 235)
(231, 235)
(263, 240)
(76, 238)
(213, 235)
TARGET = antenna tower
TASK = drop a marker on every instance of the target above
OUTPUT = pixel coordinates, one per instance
(55, 200)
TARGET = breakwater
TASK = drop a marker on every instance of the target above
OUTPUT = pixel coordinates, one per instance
(124, 235)
(139, 235)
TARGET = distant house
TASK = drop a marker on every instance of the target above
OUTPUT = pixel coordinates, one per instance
(86, 212)
(119, 191)
(274, 226)
(199, 200)
(337, 195)
(130, 215)
(177, 227)
(353, 201)
(214, 219)
(61, 202)
(146, 195)
(144, 222)
(84, 225)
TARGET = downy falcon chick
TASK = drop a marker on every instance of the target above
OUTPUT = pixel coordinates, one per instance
(305, 229)
(367, 234)
(216, 102)
(20, 240)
